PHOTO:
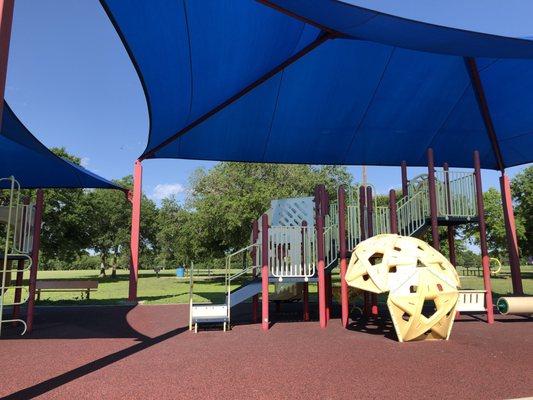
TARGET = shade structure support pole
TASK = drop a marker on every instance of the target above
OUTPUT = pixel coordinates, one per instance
(6, 22)
(393, 212)
(433, 199)
(485, 262)
(265, 323)
(510, 231)
(343, 262)
(363, 228)
(405, 181)
(36, 245)
(324, 202)
(322, 313)
(253, 254)
(136, 199)
(370, 231)
(305, 286)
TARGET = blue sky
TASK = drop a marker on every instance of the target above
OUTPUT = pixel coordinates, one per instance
(72, 84)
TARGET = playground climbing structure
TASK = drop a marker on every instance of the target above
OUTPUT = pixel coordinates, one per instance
(300, 241)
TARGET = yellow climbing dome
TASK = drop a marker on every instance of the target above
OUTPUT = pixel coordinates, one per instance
(423, 284)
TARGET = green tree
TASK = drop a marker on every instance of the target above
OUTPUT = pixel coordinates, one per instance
(496, 234)
(65, 234)
(522, 189)
(227, 198)
(176, 236)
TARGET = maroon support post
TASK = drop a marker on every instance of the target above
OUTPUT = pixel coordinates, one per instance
(324, 202)
(255, 298)
(485, 261)
(510, 229)
(36, 245)
(345, 305)
(393, 212)
(135, 230)
(363, 226)
(305, 289)
(265, 323)
(405, 181)
(321, 264)
(433, 200)
(370, 217)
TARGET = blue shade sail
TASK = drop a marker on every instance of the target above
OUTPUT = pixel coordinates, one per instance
(34, 166)
(323, 82)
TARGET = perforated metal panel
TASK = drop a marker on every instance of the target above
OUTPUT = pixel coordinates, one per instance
(293, 211)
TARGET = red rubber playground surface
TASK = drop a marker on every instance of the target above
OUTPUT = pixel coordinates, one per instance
(146, 352)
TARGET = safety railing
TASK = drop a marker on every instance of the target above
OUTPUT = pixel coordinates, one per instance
(381, 220)
(331, 239)
(292, 251)
(456, 194)
(13, 215)
(412, 212)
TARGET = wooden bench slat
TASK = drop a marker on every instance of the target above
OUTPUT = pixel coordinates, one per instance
(66, 284)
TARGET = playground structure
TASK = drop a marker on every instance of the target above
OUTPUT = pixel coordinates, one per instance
(417, 276)
(21, 223)
(308, 237)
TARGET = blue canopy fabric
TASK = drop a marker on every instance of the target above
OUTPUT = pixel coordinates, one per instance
(324, 82)
(34, 166)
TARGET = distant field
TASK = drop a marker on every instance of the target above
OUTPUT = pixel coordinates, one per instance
(169, 289)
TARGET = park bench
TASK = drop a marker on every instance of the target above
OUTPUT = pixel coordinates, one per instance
(471, 301)
(64, 285)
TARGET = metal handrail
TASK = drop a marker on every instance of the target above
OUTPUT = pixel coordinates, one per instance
(412, 212)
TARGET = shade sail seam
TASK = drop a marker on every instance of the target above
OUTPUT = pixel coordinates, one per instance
(301, 18)
(191, 81)
(314, 44)
(445, 121)
(369, 104)
(267, 140)
(277, 96)
(516, 136)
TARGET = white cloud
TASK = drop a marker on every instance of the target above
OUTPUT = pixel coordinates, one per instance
(164, 190)
(84, 162)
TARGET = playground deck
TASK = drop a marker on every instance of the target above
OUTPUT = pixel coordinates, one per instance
(146, 352)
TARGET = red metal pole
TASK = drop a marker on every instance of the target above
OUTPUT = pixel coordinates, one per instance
(510, 229)
(305, 289)
(265, 245)
(393, 212)
(135, 230)
(433, 200)
(321, 264)
(363, 226)
(370, 212)
(253, 254)
(485, 262)
(345, 304)
(36, 245)
(6, 21)
(405, 181)
(327, 274)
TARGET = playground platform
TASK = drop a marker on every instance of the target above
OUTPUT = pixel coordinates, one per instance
(147, 352)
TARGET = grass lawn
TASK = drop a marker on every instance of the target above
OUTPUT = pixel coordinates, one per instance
(169, 289)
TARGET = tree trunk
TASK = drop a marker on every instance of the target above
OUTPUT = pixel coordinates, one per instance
(102, 266)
